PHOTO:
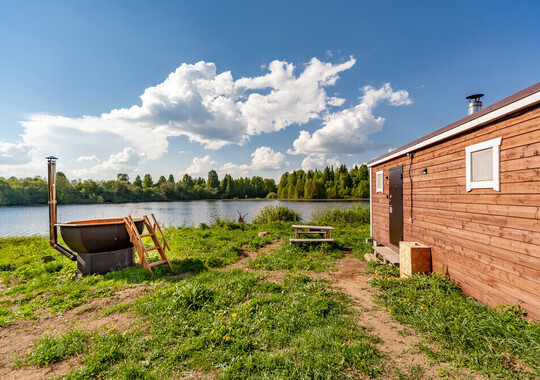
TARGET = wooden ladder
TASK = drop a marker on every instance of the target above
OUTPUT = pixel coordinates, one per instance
(141, 248)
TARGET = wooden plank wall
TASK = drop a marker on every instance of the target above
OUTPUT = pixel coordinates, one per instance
(488, 240)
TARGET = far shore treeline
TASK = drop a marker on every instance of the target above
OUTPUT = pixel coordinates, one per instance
(330, 183)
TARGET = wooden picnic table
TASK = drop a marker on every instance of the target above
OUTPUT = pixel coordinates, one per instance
(322, 230)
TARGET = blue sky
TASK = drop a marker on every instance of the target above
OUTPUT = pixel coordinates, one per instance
(245, 87)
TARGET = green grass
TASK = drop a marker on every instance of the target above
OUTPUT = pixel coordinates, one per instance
(48, 350)
(237, 324)
(36, 287)
(234, 324)
(498, 343)
(315, 257)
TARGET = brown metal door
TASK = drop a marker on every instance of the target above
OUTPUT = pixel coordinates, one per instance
(396, 205)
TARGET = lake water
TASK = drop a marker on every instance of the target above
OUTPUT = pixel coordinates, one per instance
(24, 221)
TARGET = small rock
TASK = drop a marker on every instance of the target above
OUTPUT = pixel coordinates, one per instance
(263, 233)
(184, 275)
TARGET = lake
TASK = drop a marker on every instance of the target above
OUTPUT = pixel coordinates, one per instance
(24, 221)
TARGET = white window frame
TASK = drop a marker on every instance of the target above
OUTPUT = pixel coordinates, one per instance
(381, 188)
(495, 183)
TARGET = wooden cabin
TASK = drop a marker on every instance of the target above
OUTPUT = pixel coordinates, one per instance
(471, 192)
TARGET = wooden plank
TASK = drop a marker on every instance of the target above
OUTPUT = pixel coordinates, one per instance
(311, 240)
(370, 257)
(312, 227)
(387, 254)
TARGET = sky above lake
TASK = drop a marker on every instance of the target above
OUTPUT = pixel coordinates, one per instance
(245, 87)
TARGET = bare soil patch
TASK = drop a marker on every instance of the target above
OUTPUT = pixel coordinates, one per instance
(271, 275)
(17, 339)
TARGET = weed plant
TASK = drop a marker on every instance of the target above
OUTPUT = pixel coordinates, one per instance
(498, 343)
(357, 214)
(48, 350)
(271, 214)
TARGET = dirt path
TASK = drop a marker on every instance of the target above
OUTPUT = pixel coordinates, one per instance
(398, 341)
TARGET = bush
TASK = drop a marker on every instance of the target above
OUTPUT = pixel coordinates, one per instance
(271, 195)
(356, 214)
(270, 214)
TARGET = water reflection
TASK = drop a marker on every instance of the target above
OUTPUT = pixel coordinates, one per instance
(23, 221)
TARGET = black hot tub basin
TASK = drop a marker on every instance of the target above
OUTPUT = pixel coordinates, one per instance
(100, 235)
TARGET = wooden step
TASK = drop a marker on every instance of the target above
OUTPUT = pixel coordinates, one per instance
(152, 248)
(370, 257)
(146, 235)
(153, 264)
(387, 255)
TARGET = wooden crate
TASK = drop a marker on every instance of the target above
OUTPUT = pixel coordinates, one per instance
(413, 258)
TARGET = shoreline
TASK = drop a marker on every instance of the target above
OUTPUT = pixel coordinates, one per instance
(194, 200)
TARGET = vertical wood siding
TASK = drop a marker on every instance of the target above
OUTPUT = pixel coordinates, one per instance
(489, 241)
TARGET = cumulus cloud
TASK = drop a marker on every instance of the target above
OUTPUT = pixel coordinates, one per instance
(14, 154)
(347, 131)
(319, 161)
(263, 158)
(210, 108)
(126, 159)
(292, 100)
(201, 165)
(87, 159)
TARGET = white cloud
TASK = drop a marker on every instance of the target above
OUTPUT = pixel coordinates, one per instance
(87, 159)
(264, 158)
(201, 166)
(319, 161)
(126, 159)
(209, 108)
(292, 100)
(14, 154)
(347, 131)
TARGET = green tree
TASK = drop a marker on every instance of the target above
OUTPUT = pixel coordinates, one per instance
(138, 182)
(213, 180)
(148, 183)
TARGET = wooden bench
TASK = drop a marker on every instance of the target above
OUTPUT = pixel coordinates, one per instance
(324, 231)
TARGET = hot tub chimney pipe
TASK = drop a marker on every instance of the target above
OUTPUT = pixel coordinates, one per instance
(53, 234)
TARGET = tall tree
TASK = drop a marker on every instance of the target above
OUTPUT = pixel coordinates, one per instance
(138, 182)
(148, 183)
(213, 180)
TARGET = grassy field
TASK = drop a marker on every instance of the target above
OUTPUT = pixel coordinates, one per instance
(245, 323)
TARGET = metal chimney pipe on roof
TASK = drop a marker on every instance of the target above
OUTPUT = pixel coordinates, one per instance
(475, 104)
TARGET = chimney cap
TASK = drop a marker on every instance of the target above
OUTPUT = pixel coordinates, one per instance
(475, 97)
(51, 158)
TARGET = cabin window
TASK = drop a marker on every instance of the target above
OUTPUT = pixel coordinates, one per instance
(482, 163)
(379, 182)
